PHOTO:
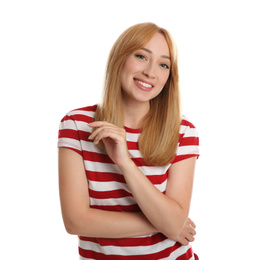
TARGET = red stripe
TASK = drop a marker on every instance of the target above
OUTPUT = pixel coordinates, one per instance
(108, 176)
(181, 137)
(137, 241)
(65, 118)
(104, 176)
(68, 133)
(131, 130)
(157, 179)
(132, 145)
(89, 108)
(125, 208)
(82, 118)
(183, 157)
(109, 194)
(139, 162)
(189, 141)
(84, 136)
(187, 123)
(74, 134)
(77, 117)
(97, 157)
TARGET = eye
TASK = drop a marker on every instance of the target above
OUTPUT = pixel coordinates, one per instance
(164, 66)
(140, 56)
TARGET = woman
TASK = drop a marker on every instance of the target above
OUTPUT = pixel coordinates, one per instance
(125, 187)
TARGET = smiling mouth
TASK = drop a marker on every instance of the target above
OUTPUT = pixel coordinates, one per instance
(146, 85)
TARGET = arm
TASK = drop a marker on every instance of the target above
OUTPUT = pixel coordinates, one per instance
(79, 218)
(169, 212)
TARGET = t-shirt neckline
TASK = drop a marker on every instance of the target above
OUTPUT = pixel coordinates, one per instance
(132, 130)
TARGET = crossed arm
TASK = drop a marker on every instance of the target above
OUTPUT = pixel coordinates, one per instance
(167, 213)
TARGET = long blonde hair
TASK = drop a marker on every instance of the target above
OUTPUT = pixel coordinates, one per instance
(159, 138)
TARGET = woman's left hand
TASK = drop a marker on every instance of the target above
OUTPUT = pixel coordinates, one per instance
(114, 139)
(187, 234)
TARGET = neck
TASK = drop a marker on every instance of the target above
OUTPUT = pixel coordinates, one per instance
(134, 114)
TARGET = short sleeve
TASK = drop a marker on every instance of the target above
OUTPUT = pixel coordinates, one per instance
(68, 135)
(188, 145)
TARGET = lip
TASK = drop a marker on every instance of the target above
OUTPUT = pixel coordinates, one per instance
(142, 87)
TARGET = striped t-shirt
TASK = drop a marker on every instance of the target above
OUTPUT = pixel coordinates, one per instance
(108, 190)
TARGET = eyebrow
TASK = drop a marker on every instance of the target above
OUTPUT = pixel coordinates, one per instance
(162, 56)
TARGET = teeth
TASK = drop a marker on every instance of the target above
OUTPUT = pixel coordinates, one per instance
(144, 84)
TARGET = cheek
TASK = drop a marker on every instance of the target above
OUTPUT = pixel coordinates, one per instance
(163, 78)
(128, 71)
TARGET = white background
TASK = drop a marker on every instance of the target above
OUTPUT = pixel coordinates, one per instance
(52, 59)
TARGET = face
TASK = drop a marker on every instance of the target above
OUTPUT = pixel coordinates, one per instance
(146, 71)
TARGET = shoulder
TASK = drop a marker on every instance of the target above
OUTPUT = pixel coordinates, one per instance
(74, 128)
(187, 127)
(88, 111)
(84, 114)
(78, 119)
(186, 122)
(188, 145)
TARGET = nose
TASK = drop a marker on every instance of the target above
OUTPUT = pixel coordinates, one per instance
(149, 71)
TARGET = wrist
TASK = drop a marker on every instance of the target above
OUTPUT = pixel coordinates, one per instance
(126, 164)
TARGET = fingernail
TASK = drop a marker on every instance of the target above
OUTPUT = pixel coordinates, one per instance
(89, 124)
(95, 139)
(90, 137)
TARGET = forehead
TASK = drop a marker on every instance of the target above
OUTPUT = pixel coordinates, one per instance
(158, 45)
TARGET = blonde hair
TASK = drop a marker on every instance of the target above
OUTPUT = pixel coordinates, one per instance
(160, 133)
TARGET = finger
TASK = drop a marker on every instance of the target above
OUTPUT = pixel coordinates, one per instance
(192, 231)
(99, 129)
(190, 238)
(188, 229)
(106, 129)
(114, 134)
(183, 241)
(192, 224)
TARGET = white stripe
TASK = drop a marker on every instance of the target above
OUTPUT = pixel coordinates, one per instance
(126, 250)
(188, 149)
(191, 132)
(74, 125)
(90, 147)
(178, 252)
(108, 186)
(68, 124)
(161, 187)
(101, 167)
(83, 126)
(69, 142)
(81, 112)
(154, 170)
(132, 137)
(188, 131)
(113, 201)
(135, 153)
